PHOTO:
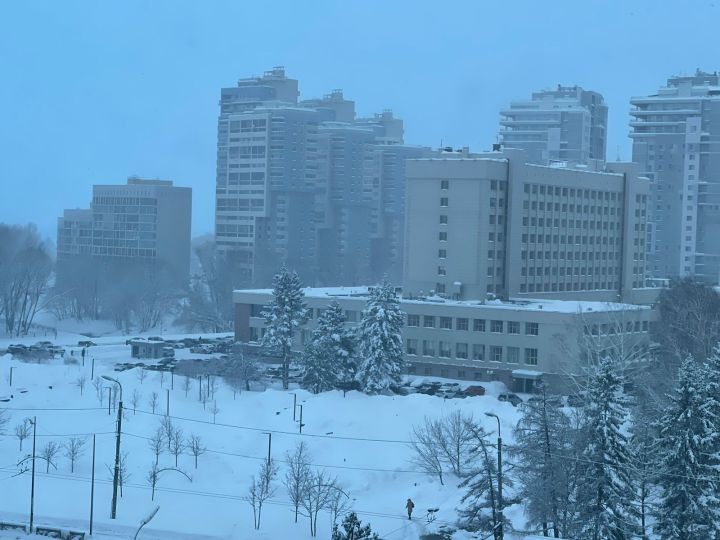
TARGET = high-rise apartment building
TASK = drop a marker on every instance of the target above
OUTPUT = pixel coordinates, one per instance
(676, 142)
(492, 223)
(307, 184)
(145, 222)
(565, 124)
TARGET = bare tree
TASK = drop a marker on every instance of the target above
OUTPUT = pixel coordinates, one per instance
(317, 496)
(177, 444)
(297, 476)
(141, 374)
(48, 453)
(214, 410)
(98, 385)
(242, 370)
(74, 448)
(123, 474)
(4, 419)
(80, 383)
(261, 489)
(135, 399)
(161, 378)
(157, 443)
(426, 454)
(168, 428)
(23, 431)
(153, 475)
(455, 439)
(153, 402)
(187, 385)
(339, 504)
(195, 447)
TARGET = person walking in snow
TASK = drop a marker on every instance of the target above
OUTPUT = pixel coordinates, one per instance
(409, 505)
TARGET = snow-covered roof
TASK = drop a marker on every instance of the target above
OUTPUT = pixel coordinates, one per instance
(517, 304)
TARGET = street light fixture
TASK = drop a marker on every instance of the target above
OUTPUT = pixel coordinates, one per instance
(499, 535)
(116, 475)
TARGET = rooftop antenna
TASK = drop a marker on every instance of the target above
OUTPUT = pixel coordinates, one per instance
(618, 153)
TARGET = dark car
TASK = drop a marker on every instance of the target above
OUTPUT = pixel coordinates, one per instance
(513, 399)
(86, 343)
(475, 390)
(575, 400)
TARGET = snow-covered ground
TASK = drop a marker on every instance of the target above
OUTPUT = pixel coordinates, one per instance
(362, 440)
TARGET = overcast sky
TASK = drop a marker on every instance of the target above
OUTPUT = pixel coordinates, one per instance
(92, 92)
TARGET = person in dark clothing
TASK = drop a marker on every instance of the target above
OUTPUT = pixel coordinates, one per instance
(409, 505)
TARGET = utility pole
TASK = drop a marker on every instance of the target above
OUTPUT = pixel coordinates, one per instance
(92, 489)
(301, 415)
(92, 369)
(167, 406)
(11, 372)
(294, 405)
(32, 482)
(269, 447)
(116, 475)
(500, 533)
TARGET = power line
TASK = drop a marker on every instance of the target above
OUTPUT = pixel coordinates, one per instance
(53, 408)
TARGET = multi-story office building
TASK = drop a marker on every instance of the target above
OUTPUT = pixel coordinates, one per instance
(307, 184)
(676, 142)
(144, 221)
(491, 223)
(517, 342)
(566, 124)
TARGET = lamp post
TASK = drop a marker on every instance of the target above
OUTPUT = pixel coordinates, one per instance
(116, 475)
(32, 484)
(499, 533)
(11, 372)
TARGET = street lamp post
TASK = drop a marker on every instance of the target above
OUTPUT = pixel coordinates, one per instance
(116, 475)
(499, 534)
(32, 484)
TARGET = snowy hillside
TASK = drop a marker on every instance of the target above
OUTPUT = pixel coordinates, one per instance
(359, 439)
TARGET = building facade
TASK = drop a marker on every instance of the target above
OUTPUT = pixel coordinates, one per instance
(479, 224)
(145, 221)
(676, 142)
(517, 342)
(308, 184)
(565, 124)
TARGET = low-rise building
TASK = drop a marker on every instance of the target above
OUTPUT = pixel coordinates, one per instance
(518, 341)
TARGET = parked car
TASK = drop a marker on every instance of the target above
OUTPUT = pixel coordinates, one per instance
(475, 390)
(513, 399)
(17, 349)
(87, 343)
(575, 400)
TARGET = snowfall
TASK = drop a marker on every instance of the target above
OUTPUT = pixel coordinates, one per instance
(361, 440)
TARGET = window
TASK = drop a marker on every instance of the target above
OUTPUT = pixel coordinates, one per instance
(444, 184)
(428, 321)
(479, 325)
(443, 201)
(446, 323)
(440, 288)
(413, 320)
(496, 327)
(495, 353)
(478, 351)
(412, 345)
(442, 236)
(531, 329)
(513, 327)
(443, 220)
(442, 253)
(445, 350)
(428, 348)
(531, 357)
(461, 350)
(513, 355)
(442, 271)
(461, 324)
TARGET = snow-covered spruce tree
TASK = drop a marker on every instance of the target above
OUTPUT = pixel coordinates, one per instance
(329, 353)
(604, 484)
(353, 529)
(380, 343)
(689, 508)
(284, 315)
(542, 441)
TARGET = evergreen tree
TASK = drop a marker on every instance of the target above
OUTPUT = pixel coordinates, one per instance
(542, 441)
(352, 529)
(689, 508)
(605, 490)
(283, 316)
(381, 352)
(329, 354)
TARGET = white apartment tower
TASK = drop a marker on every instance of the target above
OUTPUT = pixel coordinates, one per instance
(676, 142)
(565, 124)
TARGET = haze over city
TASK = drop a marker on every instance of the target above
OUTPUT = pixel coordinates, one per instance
(94, 93)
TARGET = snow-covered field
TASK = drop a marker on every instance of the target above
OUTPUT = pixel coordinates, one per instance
(362, 440)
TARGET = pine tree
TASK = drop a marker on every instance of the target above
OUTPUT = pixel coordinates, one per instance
(352, 529)
(329, 355)
(283, 316)
(542, 441)
(689, 508)
(605, 488)
(381, 353)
